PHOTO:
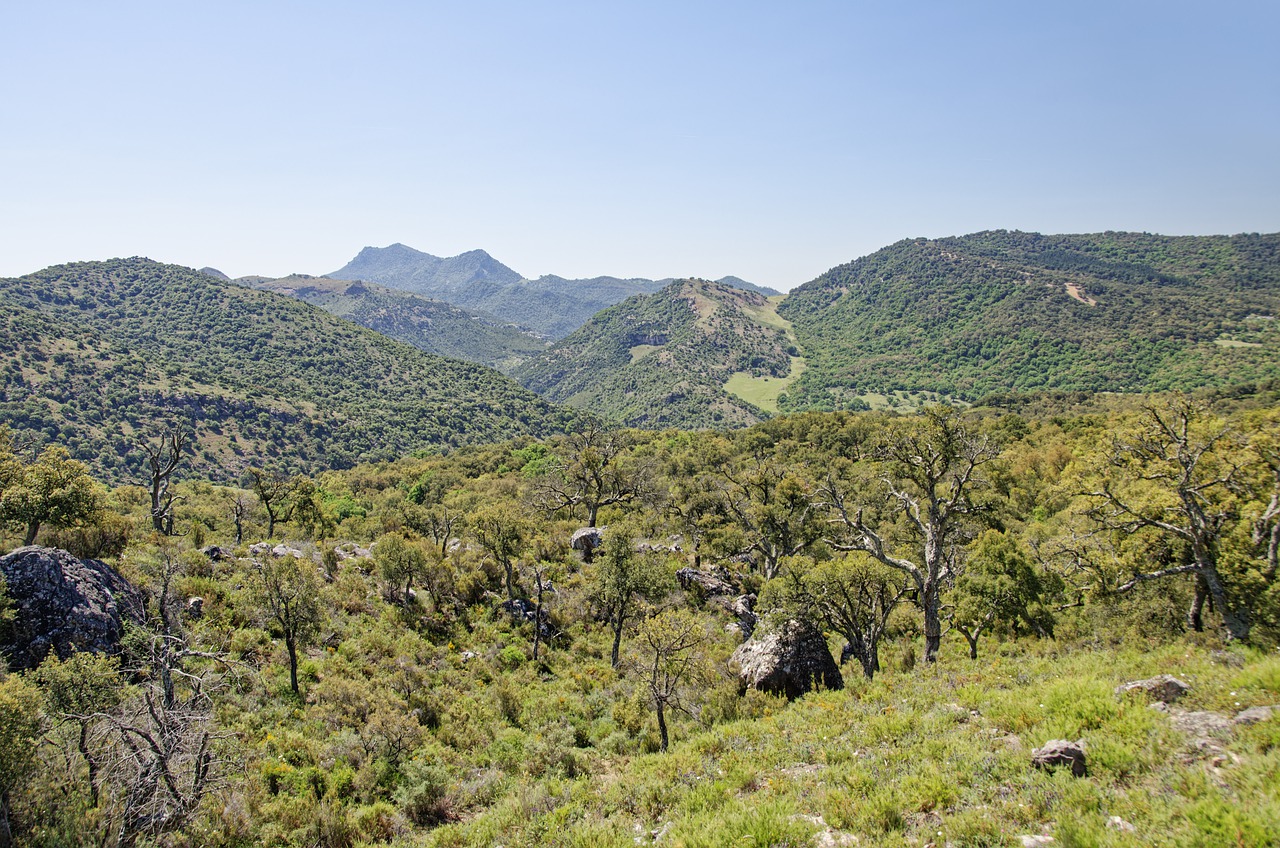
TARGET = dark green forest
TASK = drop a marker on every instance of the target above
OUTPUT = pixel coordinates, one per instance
(98, 354)
(1022, 312)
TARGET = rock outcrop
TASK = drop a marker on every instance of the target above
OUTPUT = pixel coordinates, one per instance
(64, 604)
(705, 583)
(789, 661)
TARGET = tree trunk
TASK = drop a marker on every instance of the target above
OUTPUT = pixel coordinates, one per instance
(618, 620)
(1236, 621)
(33, 527)
(91, 762)
(864, 652)
(592, 511)
(271, 523)
(972, 639)
(932, 620)
(662, 724)
(1195, 618)
(293, 664)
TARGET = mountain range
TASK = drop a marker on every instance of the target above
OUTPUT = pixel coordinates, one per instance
(551, 306)
(98, 354)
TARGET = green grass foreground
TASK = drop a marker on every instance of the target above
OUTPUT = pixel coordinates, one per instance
(935, 755)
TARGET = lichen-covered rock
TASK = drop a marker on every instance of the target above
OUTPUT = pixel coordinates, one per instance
(64, 604)
(1061, 752)
(707, 584)
(789, 661)
(1254, 715)
(1164, 688)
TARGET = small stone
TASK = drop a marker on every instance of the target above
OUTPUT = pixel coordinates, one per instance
(1117, 823)
(1036, 840)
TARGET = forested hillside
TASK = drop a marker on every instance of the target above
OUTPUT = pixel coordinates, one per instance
(1010, 311)
(663, 360)
(98, 354)
(429, 325)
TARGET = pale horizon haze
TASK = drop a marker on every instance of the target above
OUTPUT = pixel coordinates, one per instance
(763, 140)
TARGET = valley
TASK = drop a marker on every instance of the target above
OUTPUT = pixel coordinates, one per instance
(970, 541)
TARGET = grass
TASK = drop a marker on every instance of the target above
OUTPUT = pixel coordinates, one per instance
(763, 391)
(937, 754)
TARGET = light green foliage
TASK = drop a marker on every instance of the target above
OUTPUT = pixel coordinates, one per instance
(55, 490)
(21, 721)
(437, 728)
(399, 563)
(672, 649)
(852, 595)
(1002, 588)
(287, 593)
(622, 579)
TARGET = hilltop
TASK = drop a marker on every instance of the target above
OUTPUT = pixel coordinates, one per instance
(695, 354)
(1020, 312)
(430, 325)
(550, 305)
(98, 353)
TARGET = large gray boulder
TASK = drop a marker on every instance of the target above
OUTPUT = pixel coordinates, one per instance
(789, 661)
(64, 604)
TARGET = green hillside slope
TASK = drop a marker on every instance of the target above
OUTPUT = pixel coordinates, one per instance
(95, 354)
(663, 360)
(429, 325)
(1010, 311)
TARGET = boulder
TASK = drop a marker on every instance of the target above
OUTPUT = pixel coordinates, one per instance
(1060, 752)
(217, 554)
(64, 604)
(789, 661)
(587, 539)
(1164, 688)
(704, 582)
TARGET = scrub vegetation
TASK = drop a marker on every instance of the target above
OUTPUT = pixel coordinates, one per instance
(417, 656)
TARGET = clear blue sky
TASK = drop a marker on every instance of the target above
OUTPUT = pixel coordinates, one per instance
(767, 140)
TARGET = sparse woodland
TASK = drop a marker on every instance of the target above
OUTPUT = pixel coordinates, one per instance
(425, 660)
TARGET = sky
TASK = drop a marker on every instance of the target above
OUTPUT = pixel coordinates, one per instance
(770, 141)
